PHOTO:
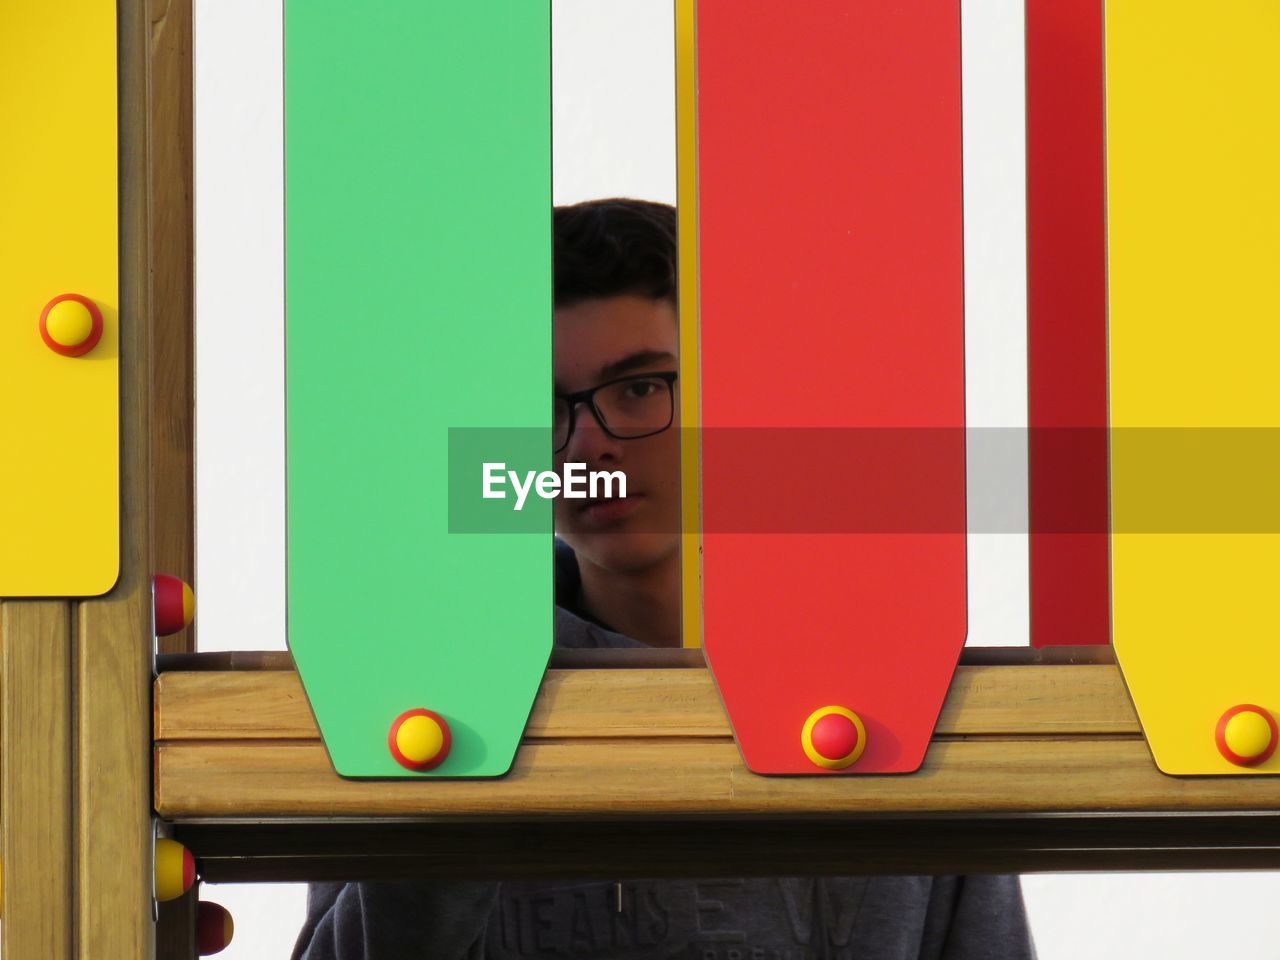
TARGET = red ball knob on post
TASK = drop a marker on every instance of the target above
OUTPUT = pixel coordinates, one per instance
(175, 604)
(214, 928)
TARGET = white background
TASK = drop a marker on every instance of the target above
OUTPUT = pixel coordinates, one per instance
(614, 115)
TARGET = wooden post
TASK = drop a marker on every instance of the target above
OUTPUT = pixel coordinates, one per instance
(112, 669)
(176, 928)
(75, 761)
(171, 185)
(75, 810)
(36, 790)
(171, 116)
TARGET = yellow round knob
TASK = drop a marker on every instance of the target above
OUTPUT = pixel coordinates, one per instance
(175, 869)
(71, 325)
(1247, 735)
(419, 739)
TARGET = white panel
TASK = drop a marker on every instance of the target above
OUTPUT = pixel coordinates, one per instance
(995, 250)
(1173, 916)
(239, 303)
(613, 100)
(267, 917)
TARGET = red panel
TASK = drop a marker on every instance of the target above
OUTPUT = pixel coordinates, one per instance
(832, 331)
(1067, 324)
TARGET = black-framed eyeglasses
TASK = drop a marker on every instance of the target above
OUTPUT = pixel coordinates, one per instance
(626, 409)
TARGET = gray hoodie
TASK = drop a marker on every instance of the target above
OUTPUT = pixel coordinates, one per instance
(792, 918)
(774, 918)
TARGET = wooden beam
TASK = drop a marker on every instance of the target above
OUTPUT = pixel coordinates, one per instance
(638, 777)
(608, 849)
(1033, 767)
(586, 704)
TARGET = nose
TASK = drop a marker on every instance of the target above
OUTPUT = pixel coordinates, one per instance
(589, 443)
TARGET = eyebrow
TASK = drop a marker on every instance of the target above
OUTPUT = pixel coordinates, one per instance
(621, 367)
(634, 361)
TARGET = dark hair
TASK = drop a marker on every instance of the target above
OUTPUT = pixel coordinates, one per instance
(610, 248)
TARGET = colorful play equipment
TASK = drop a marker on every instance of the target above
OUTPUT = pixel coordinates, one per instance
(825, 637)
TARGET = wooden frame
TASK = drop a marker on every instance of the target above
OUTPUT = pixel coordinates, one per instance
(1036, 765)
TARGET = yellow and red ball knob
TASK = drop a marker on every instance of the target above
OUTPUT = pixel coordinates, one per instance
(214, 928)
(1247, 735)
(419, 739)
(175, 869)
(833, 737)
(175, 604)
(71, 325)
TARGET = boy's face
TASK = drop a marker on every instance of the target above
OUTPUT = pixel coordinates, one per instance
(597, 341)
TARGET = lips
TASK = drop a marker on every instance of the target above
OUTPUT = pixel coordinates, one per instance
(604, 511)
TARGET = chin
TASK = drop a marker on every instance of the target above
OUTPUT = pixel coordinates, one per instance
(623, 552)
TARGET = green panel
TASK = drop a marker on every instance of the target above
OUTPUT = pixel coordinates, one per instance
(418, 303)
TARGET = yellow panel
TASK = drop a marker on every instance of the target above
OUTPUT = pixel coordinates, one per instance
(1193, 206)
(687, 203)
(59, 416)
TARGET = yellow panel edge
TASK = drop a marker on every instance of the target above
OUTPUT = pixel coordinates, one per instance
(687, 204)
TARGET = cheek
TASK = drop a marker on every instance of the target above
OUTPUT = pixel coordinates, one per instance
(660, 465)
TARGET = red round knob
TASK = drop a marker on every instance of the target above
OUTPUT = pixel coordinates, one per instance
(175, 604)
(214, 928)
(833, 737)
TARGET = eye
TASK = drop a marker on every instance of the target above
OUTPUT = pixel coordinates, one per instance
(640, 389)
